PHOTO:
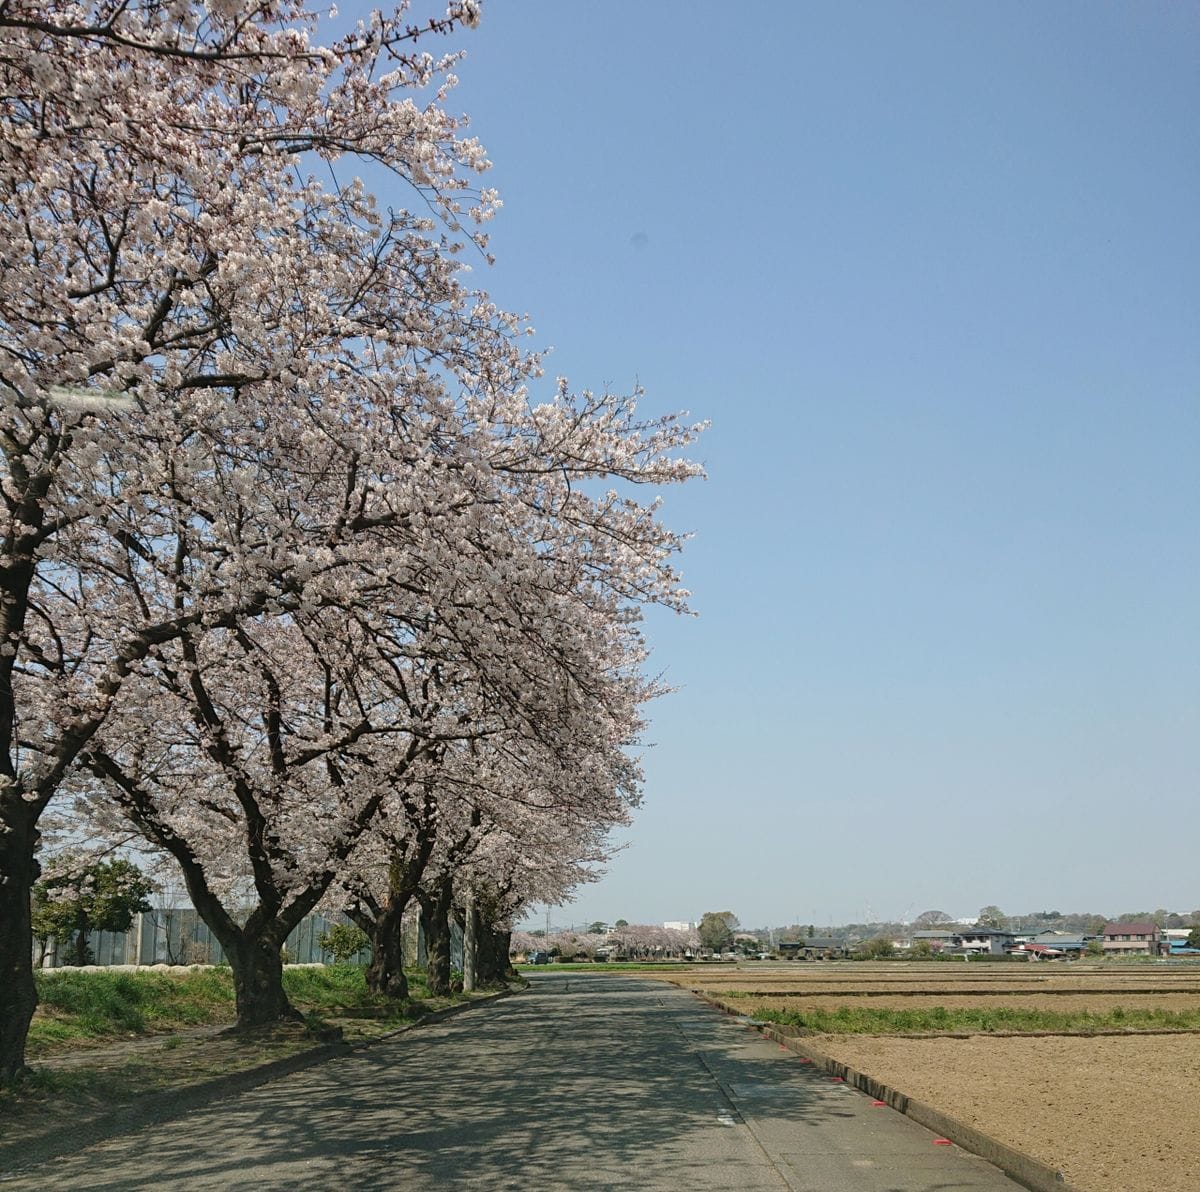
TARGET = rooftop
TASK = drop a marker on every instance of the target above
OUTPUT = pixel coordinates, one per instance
(1111, 929)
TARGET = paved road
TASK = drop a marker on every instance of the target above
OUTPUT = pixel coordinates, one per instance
(581, 1082)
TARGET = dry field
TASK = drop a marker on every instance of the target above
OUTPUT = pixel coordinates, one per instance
(1114, 1113)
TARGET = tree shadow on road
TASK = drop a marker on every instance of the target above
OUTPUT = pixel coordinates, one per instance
(559, 1087)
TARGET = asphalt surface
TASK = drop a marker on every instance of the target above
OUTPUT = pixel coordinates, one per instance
(580, 1082)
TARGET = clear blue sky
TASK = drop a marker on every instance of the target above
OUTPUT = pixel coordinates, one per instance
(932, 273)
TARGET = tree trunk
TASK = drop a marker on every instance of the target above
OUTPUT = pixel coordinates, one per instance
(258, 982)
(18, 872)
(254, 952)
(82, 951)
(385, 973)
(435, 920)
(492, 962)
(470, 943)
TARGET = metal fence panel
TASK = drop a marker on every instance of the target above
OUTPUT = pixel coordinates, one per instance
(177, 935)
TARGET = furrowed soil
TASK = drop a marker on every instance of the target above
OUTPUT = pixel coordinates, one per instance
(1114, 1113)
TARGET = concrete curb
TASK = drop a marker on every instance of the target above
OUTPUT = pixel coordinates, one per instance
(169, 1103)
(1027, 1171)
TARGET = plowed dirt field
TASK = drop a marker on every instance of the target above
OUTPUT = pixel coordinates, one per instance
(1114, 1113)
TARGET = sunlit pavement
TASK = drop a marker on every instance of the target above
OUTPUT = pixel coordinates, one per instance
(581, 1082)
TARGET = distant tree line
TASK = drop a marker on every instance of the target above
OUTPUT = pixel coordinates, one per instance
(1075, 922)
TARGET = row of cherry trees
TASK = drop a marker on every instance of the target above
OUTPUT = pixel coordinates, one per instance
(298, 579)
(632, 942)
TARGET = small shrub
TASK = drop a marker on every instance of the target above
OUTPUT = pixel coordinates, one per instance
(876, 949)
(344, 941)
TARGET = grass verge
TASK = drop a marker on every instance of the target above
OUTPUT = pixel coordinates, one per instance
(79, 1009)
(858, 1020)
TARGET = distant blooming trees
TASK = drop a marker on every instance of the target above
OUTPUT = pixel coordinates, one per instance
(647, 941)
(295, 576)
(628, 942)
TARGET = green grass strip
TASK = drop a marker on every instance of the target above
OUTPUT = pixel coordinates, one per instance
(862, 1020)
(600, 966)
(76, 1006)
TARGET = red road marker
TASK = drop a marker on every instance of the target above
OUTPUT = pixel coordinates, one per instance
(942, 1142)
(837, 1079)
(878, 1104)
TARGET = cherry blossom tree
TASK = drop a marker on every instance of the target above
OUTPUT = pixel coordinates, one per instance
(257, 773)
(543, 853)
(521, 943)
(294, 705)
(493, 906)
(435, 897)
(269, 466)
(423, 826)
(652, 941)
(378, 886)
(167, 259)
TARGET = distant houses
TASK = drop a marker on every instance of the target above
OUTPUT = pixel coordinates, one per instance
(1131, 939)
(1116, 940)
(939, 939)
(959, 940)
(815, 947)
(985, 940)
(1049, 945)
(1175, 942)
